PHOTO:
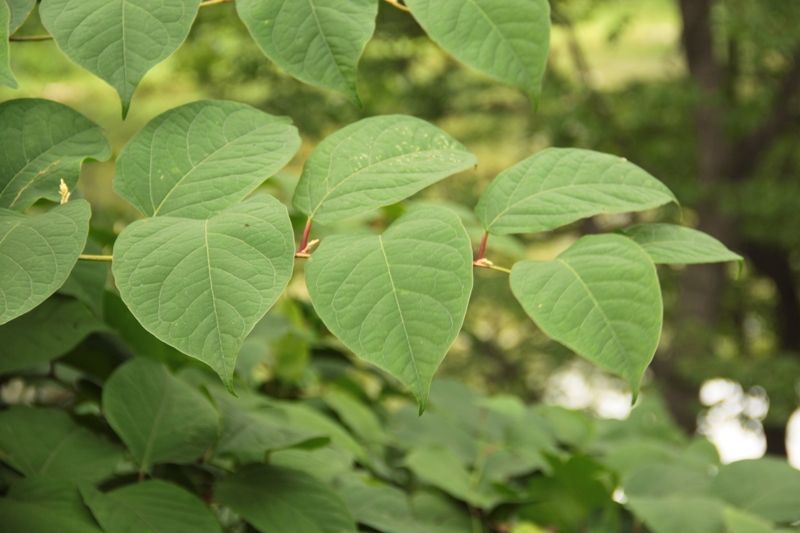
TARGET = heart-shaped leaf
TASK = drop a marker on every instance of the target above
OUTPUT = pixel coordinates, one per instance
(397, 300)
(562, 185)
(276, 500)
(153, 507)
(119, 40)
(39, 505)
(202, 158)
(201, 285)
(6, 76)
(158, 417)
(316, 41)
(600, 298)
(668, 243)
(376, 162)
(37, 254)
(43, 142)
(47, 443)
(20, 9)
(514, 36)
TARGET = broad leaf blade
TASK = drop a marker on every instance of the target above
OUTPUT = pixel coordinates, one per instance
(276, 500)
(507, 40)
(48, 331)
(158, 417)
(6, 76)
(40, 505)
(373, 163)
(768, 487)
(679, 514)
(668, 243)
(561, 185)
(37, 254)
(119, 40)
(47, 443)
(200, 286)
(152, 507)
(397, 300)
(740, 522)
(601, 298)
(316, 41)
(43, 143)
(20, 9)
(202, 158)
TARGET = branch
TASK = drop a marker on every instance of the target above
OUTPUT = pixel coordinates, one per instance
(213, 2)
(24, 38)
(89, 257)
(398, 5)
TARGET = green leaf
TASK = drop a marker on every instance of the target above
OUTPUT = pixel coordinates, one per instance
(199, 159)
(600, 298)
(507, 40)
(316, 41)
(668, 243)
(47, 443)
(679, 514)
(45, 333)
(325, 464)
(740, 522)
(20, 9)
(657, 480)
(43, 143)
(276, 500)
(37, 254)
(119, 40)
(397, 300)
(201, 286)
(150, 507)
(373, 163)
(357, 416)
(768, 487)
(6, 76)
(561, 185)
(87, 281)
(42, 505)
(160, 418)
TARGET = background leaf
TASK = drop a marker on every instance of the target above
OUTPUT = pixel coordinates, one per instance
(150, 507)
(6, 76)
(158, 417)
(375, 162)
(601, 298)
(276, 500)
(738, 522)
(316, 41)
(48, 331)
(119, 40)
(39, 505)
(20, 9)
(47, 443)
(37, 254)
(514, 36)
(397, 300)
(679, 514)
(87, 281)
(201, 286)
(668, 243)
(561, 185)
(202, 158)
(43, 143)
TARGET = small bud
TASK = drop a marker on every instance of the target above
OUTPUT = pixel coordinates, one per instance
(63, 190)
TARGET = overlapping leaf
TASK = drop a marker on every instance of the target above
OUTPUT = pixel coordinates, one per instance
(507, 40)
(276, 500)
(37, 254)
(201, 285)
(153, 507)
(668, 243)
(20, 9)
(768, 487)
(561, 185)
(47, 443)
(376, 162)
(316, 41)
(119, 40)
(46, 332)
(6, 76)
(43, 142)
(202, 158)
(158, 417)
(679, 514)
(601, 298)
(39, 505)
(397, 300)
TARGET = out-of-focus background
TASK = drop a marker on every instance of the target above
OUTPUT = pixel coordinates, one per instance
(705, 99)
